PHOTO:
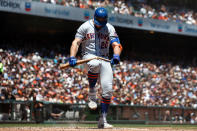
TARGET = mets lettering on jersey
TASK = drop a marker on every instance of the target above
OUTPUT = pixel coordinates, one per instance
(96, 42)
(100, 36)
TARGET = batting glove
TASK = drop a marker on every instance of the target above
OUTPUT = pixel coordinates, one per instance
(115, 59)
(72, 61)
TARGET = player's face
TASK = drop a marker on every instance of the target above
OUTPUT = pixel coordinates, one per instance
(102, 21)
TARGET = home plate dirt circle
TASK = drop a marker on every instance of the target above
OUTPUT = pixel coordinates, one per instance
(89, 129)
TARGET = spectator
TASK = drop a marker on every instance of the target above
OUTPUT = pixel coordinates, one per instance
(188, 117)
(3, 95)
(1, 68)
(38, 109)
(138, 9)
(56, 113)
(167, 116)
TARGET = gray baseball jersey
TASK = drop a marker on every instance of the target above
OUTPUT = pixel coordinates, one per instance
(96, 43)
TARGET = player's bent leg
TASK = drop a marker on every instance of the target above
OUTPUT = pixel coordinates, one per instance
(92, 104)
(94, 67)
(92, 78)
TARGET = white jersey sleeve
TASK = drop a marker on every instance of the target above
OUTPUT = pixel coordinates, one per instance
(81, 32)
(112, 33)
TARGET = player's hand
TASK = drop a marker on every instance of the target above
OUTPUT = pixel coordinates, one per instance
(115, 59)
(72, 61)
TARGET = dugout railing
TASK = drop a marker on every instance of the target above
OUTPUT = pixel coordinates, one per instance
(46, 112)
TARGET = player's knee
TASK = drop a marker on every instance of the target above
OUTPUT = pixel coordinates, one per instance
(107, 95)
(93, 63)
(107, 91)
(94, 66)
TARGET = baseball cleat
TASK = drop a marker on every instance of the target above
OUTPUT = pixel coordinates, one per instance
(92, 104)
(102, 124)
(106, 125)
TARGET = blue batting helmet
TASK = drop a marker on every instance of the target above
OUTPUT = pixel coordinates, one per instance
(100, 16)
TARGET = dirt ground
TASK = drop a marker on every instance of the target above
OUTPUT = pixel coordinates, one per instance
(90, 129)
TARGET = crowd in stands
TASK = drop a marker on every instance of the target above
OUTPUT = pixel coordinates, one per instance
(135, 82)
(137, 9)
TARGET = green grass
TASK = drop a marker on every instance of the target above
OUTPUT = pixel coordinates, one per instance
(94, 125)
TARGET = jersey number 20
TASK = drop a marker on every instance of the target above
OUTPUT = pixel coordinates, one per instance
(104, 45)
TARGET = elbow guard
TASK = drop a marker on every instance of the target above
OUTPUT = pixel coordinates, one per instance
(115, 40)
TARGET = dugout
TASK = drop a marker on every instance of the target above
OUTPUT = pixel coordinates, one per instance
(80, 113)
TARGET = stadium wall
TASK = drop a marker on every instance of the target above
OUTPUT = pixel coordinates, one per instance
(78, 14)
(27, 112)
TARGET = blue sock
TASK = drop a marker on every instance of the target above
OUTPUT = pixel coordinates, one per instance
(105, 105)
(92, 78)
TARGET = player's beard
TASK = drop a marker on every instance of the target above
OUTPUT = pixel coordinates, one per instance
(98, 27)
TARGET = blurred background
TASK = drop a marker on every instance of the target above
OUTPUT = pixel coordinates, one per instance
(156, 81)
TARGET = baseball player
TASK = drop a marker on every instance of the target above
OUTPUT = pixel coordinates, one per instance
(95, 36)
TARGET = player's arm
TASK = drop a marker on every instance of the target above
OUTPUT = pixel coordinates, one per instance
(73, 51)
(75, 46)
(115, 42)
(117, 49)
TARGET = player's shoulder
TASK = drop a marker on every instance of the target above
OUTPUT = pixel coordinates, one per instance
(87, 23)
(109, 26)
